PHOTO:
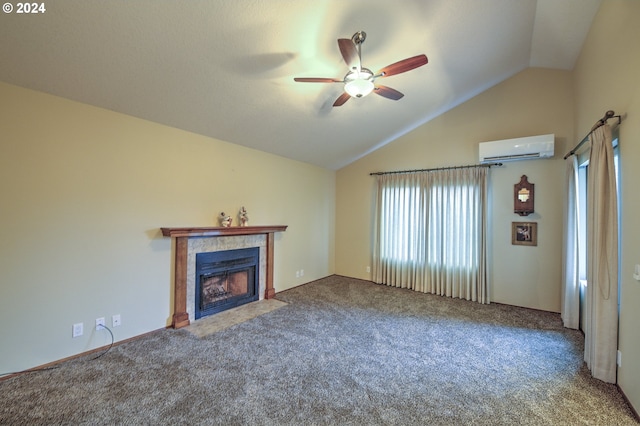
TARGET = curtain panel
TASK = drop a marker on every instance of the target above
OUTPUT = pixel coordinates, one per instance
(570, 308)
(431, 232)
(601, 328)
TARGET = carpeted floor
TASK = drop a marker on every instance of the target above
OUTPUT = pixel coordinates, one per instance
(341, 351)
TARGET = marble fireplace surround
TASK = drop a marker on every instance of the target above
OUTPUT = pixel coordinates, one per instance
(190, 241)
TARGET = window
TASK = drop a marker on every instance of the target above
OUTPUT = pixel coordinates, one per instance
(430, 232)
(400, 222)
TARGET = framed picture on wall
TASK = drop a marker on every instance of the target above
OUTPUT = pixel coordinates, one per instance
(524, 233)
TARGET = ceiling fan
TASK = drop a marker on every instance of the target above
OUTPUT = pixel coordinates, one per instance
(360, 81)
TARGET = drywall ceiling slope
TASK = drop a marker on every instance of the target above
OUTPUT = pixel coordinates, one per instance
(225, 69)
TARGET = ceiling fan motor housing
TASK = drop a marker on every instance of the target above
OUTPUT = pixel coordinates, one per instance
(359, 37)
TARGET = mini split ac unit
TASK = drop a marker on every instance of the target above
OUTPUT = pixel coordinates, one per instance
(528, 148)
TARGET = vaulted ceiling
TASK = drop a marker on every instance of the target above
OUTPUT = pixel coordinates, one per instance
(225, 68)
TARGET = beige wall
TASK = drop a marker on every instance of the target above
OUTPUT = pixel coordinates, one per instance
(533, 102)
(83, 194)
(607, 76)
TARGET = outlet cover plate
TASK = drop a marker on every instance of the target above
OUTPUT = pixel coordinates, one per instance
(100, 323)
(77, 330)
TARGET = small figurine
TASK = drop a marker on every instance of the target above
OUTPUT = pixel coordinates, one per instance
(225, 220)
(242, 215)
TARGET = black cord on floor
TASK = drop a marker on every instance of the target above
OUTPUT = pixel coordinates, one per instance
(35, 370)
(110, 346)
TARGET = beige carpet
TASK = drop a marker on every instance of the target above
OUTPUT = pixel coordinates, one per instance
(341, 352)
(222, 320)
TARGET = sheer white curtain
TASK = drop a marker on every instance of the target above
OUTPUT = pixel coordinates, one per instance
(571, 272)
(431, 232)
(601, 328)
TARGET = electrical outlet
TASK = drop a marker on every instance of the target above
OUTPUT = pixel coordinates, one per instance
(77, 330)
(368, 269)
(619, 359)
(116, 321)
(100, 323)
(302, 272)
(297, 274)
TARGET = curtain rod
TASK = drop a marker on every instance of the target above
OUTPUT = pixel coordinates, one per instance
(438, 168)
(607, 115)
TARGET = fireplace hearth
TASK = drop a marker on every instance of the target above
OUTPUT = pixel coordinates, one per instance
(226, 279)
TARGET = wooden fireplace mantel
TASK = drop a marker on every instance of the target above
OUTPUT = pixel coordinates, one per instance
(220, 231)
(180, 314)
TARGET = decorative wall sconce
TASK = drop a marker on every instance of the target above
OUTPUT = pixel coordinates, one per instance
(523, 197)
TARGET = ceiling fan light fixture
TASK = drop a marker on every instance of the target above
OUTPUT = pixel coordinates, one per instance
(358, 88)
(359, 83)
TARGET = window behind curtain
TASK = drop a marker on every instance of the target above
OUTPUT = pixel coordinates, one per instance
(431, 233)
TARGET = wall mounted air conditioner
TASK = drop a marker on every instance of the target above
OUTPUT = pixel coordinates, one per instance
(528, 148)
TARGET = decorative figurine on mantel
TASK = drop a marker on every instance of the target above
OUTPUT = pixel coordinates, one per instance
(225, 220)
(244, 218)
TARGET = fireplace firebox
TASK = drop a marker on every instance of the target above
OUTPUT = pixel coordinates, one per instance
(226, 279)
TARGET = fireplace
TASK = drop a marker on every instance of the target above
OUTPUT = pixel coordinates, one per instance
(226, 279)
(189, 242)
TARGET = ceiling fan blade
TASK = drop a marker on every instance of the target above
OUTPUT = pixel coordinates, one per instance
(403, 66)
(316, 80)
(388, 92)
(349, 53)
(341, 99)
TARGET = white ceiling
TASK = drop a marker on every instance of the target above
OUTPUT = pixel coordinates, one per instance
(225, 68)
